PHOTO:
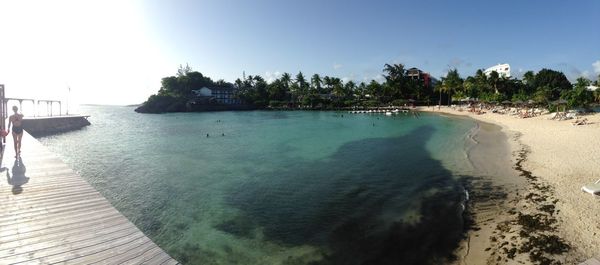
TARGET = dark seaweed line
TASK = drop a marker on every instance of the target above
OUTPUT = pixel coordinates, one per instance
(538, 228)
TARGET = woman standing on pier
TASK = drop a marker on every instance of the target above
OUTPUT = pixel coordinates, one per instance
(17, 125)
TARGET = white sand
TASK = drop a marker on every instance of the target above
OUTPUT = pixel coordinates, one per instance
(565, 157)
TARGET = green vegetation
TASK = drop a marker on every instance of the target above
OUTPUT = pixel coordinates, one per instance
(329, 92)
(176, 91)
(398, 88)
(542, 88)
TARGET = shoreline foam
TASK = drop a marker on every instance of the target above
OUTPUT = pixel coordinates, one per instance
(556, 159)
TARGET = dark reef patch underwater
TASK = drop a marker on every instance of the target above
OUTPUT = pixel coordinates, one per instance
(411, 214)
(281, 187)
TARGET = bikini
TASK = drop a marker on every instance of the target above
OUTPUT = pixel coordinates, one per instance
(18, 129)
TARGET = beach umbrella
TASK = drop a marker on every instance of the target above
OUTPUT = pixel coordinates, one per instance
(519, 102)
(531, 102)
(506, 102)
(561, 102)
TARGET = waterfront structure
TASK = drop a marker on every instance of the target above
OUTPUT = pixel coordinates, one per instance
(51, 215)
(221, 95)
(501, 69)
(416, 74)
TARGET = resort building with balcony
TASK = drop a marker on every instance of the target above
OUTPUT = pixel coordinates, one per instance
(220, 95)
(416, 74)
(503, 70)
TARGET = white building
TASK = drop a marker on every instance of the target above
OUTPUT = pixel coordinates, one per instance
(203, 92)
(223, 95)
(501, 69)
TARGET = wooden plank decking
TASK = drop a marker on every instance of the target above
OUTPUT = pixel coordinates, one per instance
(49, 214)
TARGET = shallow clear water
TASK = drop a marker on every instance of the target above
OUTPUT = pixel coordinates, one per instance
(269, 187)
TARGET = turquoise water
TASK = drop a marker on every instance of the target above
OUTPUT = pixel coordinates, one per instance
(279, 187)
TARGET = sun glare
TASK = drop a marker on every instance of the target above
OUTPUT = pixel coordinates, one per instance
(101, 50)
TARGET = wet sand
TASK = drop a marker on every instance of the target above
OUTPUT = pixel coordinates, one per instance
(543, 217)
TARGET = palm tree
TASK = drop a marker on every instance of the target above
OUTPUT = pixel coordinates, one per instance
(440, 87)
(286, 79)
(337, 87)
(238, 83)
(349, 88)
(529, 78)
(395, 78)
(452, 83)
(249, 82)
(394, 72)
(470, 86)
(494, 77)
(481, 81)
(328, 81)
(300, 80)
(362, 90)
(301, 86)
(316, 82)
(374, 89)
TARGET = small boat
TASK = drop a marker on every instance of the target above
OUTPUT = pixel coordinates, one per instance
(387, 113)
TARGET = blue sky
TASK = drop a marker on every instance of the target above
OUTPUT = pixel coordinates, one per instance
(355, 38)
(116, 52)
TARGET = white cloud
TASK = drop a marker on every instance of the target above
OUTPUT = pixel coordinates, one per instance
(271, 76)
(379, 78)
(337, 66)
(585, 74)
(596, 66)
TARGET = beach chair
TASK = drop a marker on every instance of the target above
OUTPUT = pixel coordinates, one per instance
(592, 188)
(570, 115)
(581, 122)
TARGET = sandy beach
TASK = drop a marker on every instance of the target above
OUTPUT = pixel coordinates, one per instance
(552, 159)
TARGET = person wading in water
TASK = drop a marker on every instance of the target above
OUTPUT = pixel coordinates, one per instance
(17, 125)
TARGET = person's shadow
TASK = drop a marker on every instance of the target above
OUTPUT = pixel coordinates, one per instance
(18, 178)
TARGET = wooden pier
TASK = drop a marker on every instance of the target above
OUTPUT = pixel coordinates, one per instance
(49, 214)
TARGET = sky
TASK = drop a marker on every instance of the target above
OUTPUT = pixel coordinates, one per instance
(116, 51)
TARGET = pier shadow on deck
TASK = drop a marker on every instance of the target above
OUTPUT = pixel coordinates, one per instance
(49, 214)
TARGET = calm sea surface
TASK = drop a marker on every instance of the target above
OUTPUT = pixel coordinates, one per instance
(270, 187)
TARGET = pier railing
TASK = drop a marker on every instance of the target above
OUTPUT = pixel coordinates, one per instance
(49, 106)
(3, 112)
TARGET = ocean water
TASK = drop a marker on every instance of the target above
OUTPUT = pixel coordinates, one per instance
(270, 187)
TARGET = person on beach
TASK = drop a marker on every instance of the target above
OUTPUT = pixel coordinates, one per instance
(16, 120)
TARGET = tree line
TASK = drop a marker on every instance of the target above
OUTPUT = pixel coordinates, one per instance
(321, 92)
(541, 88)
(397, 88)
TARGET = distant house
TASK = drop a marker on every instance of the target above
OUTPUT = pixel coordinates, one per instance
(221, 95)
(501, 69)
(416, 74)
(591, 88)
(327, 96)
